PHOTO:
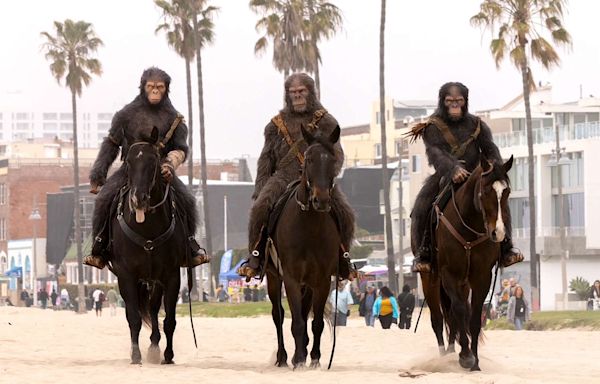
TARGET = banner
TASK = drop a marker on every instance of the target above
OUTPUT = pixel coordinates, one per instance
(225, 265)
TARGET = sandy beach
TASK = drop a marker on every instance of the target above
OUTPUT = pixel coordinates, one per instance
(46, 346)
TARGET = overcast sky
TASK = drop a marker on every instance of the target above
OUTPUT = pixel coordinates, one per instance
(428, 42)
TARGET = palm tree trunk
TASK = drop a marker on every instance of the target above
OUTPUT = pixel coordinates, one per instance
(188, 78)
(317, 77)
(384, 171)
(77, 208)
(203, 172)
(313, 39)
(530, 163)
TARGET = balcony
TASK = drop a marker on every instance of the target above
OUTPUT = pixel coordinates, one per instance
(579, 131)
(523, 233)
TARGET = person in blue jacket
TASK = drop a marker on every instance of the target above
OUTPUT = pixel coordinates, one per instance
(386, 308)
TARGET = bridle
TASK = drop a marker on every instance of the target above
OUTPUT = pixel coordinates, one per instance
(305, 207)
(156, 166)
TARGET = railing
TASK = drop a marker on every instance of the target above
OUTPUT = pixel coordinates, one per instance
(523, 233)
(579, 131)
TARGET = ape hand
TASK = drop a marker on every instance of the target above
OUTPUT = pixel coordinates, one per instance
(460, 175)
(95, 188)
(167, 171)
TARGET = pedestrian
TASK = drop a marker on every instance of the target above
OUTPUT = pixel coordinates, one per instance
(365, 307)
(595, 295)
(406, 304)
(25, 297)
(344, 301)
(518, 309)
(247, 294)
(64, 299)
(98, 296)
(386, 308)
(112, 297)
(43, 297)
(222, 296)
(255, 293)
(53, 298)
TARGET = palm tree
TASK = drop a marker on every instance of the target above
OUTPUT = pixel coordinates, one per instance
(283, 22)
(520, 23)
(384, 171)
(203, 27)
(324, 20)
(180, 37)
(69, 52)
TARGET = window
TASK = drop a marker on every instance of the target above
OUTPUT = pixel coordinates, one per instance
(519, 212)
(66, 126)
(3, 196)
(22, 126)
(572, 173)
(398, 147)
(22, 116)
(378, 151)
(416, 163)
(50, 127)
(2, 229)
(2, 150)
(66, 116)
(519, 174)
(105, 116)
(103, 127)
(376, 117)
(50, 116)
(573, 210)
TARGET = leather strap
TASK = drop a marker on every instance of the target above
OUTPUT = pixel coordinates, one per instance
(312, 126)
(467, 245)
(171, 130)
(458, 150)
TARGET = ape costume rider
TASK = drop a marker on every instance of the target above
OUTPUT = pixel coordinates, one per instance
(280, 163)
(454, 140)
(151, 108)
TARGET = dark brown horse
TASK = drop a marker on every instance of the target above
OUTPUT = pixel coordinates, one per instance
(307, 242)
(148, 240)
(468, 237)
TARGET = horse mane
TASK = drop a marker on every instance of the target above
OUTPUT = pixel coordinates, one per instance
(320, 138)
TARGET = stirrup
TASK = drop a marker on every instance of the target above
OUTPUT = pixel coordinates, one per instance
(421, 266)
(94, 261)
(513, 256)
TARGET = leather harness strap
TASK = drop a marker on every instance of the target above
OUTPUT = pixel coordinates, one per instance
(282, 129)
(458, 150)
(171, 130)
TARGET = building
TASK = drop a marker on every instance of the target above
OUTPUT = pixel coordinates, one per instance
(20, 125)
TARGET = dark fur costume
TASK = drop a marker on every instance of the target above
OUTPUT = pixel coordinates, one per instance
(137, 120)
(439, 155)
(273, 175)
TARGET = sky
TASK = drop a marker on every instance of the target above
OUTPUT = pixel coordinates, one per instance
(428, 42)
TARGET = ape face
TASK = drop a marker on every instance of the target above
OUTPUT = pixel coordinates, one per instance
(454, 103)
(298, 94)
(155, 90)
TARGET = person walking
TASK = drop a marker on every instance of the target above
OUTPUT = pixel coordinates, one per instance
(518, 309)
(386, 308)
(344, 300)
(406, 304)
(98, 297)
(112, 297)
(53, 297)
(366, 305)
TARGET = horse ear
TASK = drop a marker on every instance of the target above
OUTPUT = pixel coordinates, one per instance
(335, 135)
(154, 135)
(508, 165)
(306, 135)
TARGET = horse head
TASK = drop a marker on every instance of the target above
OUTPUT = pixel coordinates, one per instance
(318, 171)
(143, 170)
(492, 197)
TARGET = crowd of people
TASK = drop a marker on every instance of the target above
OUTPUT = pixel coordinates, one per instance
(233, 294)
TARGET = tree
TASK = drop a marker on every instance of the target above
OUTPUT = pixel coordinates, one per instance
(69, 52)
(283, 22)
(520, 25)
(203, 26)
(391, 264)
(180, 36)
(324, 20)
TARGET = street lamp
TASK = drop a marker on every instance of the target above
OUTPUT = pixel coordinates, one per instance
(558, 160)
(35, 217)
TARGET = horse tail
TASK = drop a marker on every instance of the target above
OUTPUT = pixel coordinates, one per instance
(145, 291)
(328, 315)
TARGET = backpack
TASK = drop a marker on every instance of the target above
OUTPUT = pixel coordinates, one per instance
(102, 297)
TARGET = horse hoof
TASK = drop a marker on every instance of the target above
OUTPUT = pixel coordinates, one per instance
(467, 362)
(281, 364)
(450, 349)
(300, 366)
(153, 354)
(475, 368)
(136, 362)
(165, 362)
(315, 364)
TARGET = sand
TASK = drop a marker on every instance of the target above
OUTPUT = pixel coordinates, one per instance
(46, 346)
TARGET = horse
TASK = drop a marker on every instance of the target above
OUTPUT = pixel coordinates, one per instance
(307, 242)
(148, 240)
(464, 267)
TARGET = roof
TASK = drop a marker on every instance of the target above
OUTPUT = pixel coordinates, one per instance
(415, 104)
(356, 130)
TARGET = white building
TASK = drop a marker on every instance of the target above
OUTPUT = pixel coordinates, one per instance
(19, 125)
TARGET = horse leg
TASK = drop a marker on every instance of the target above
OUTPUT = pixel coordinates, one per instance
(153, 354)
(479, 290)
(452, 331)
(460, 313)
(431, 286)
(294, 295)
(307, 300)
(170, 302)
(320, 296)
(128, 289)
(274, 289)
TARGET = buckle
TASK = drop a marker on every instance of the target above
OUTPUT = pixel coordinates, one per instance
(149, 246)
